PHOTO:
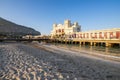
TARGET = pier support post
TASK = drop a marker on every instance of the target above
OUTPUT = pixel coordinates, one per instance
(108, 44)
(94, 43)
(75, 42)
(83, 43)
(91, 43)
(80, 43)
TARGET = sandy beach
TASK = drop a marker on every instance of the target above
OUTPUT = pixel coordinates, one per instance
(35, 61)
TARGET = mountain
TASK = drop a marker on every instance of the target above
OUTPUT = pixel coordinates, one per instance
(10, 28)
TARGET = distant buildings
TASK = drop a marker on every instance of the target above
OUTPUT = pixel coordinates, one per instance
(35, 37)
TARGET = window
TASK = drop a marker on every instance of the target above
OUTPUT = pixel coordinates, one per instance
(105, 34)
(95, 35)
(117, 34)
(100, 34)
(78, 29)
(62, 30)
(111, 34)
(87, 35)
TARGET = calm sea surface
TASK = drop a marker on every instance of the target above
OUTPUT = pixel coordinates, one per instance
(98, 49)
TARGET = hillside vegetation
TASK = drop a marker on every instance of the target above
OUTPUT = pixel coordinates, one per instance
(8, 28)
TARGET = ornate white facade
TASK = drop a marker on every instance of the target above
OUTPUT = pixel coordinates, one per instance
(65, 29)
(73, 31)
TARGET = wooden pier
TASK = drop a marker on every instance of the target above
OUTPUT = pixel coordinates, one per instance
(92, 42)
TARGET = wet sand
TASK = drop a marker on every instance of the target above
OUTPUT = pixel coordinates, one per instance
(39, 62)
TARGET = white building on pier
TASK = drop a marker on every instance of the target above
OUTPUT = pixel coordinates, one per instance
(65, 29)
(73, 31)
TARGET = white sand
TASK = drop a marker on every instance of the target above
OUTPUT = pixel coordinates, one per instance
(15, 63)
(46, 62)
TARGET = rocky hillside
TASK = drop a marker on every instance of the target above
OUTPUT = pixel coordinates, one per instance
(10, 28)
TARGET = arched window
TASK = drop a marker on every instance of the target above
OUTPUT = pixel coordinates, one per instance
(100, 34)
(95, 35)
(118, 34)
(105, 34)
(111, 35)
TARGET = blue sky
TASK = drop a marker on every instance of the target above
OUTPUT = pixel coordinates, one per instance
(41, 14)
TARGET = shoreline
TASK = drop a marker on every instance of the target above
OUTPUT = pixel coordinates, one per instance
(52, 48)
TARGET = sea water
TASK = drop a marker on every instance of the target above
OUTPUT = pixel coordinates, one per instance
(115, 51)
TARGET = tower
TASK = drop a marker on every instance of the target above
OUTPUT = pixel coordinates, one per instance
(76, 23)
(54, 26)
(67, 23)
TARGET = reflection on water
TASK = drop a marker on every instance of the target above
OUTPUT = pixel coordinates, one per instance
(98, 49)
